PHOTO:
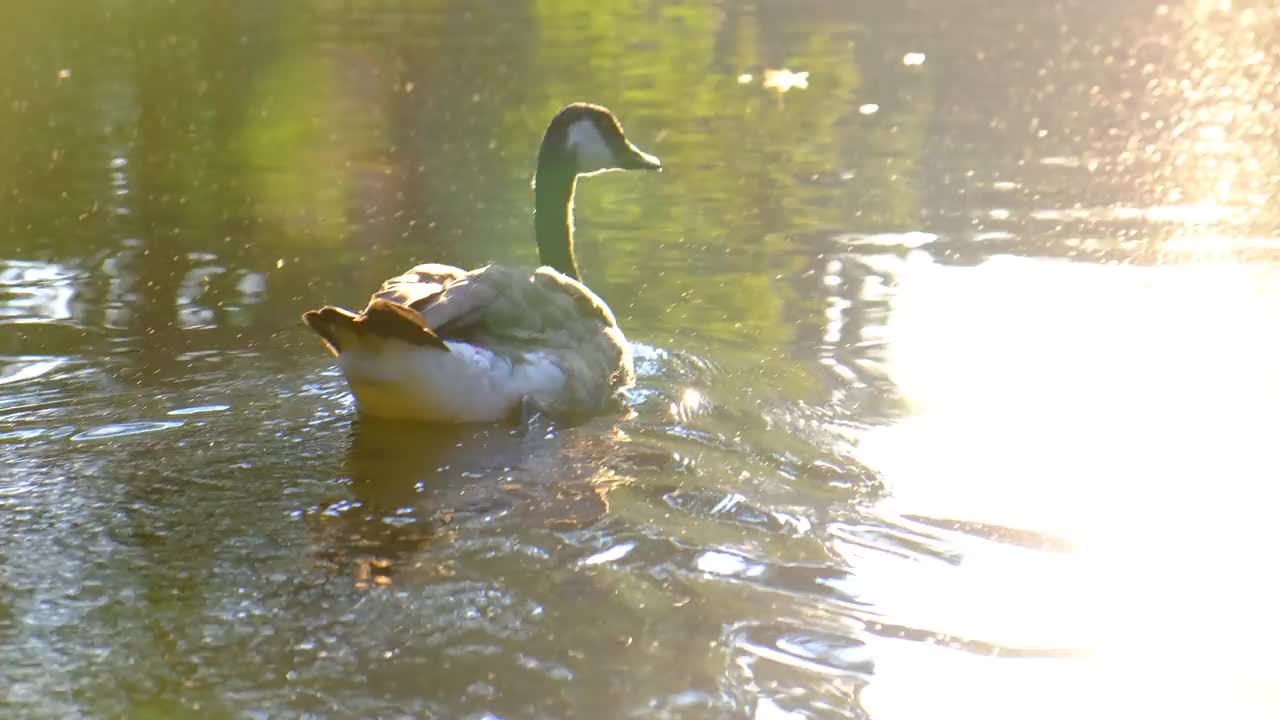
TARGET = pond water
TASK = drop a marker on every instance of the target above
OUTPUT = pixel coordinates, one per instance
(956, 332)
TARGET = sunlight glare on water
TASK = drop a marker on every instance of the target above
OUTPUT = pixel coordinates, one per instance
(1127, 410)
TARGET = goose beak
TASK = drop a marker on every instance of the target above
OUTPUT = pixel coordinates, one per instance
(641, 160)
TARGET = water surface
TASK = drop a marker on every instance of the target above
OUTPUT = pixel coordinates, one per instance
(955, 340)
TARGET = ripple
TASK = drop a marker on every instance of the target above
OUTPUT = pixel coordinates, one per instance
(729, 507)
(35, 291)
(909, 240)
(813, 651)
(617, 552)
(115, 430)
(27, 367)
(652, 361)
(198, 409)
(800, 672)
(19, 435)
(715, 562)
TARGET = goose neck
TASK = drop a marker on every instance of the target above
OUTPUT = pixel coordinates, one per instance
(553, 219)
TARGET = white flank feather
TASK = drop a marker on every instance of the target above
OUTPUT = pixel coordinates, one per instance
(393, 379)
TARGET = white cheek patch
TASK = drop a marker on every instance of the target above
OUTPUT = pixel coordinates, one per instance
(589, 147)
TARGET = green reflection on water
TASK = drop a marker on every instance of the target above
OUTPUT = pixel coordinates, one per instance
(379, 139)
(201, 173)
(178, 182)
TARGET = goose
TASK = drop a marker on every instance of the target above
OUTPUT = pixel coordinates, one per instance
(442, 344)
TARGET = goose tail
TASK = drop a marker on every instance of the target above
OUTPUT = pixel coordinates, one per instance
(343, 330)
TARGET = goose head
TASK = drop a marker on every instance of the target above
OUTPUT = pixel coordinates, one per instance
(586, 139)
(582, 139)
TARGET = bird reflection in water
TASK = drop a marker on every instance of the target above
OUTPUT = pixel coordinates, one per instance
(414, 486)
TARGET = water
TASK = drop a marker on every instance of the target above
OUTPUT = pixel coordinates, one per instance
(957, 364)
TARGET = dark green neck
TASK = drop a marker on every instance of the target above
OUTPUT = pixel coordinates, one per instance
(553, 217)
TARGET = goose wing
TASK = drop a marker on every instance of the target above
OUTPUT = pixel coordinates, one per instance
(417, 287)
(539, 317)
(515, 336)
(495, 303)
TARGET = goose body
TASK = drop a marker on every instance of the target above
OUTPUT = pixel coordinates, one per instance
(439, 343)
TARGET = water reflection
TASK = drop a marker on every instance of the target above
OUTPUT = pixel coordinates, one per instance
(34, 291)
(955, 371)
(414, 484)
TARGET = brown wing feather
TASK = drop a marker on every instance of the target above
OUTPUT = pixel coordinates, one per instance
(497, 302)
(382, 318)
(415, 287)
(387, 319)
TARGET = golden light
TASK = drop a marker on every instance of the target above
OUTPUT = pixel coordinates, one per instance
(689, 406)
(1130, 410)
